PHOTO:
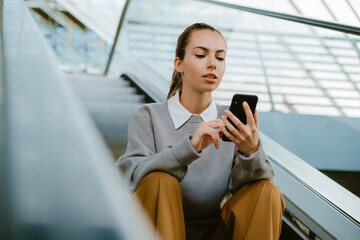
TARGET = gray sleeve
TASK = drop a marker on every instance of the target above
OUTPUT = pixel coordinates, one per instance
(249, 169)
(141, 156)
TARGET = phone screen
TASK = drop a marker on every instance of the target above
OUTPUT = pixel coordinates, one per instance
(237, 109)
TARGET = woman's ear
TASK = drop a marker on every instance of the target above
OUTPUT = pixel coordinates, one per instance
(178, 65)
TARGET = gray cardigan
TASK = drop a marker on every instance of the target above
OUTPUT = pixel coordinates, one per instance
(205, 178)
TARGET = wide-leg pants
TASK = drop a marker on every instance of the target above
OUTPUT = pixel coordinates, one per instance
(253, 212)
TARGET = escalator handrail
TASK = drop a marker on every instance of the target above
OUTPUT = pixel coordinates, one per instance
(291, 17)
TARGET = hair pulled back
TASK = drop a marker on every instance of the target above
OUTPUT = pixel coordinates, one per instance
(183, 40)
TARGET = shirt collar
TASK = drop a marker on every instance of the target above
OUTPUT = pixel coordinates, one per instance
(179, 114)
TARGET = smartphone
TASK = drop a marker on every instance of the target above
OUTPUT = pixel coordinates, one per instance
(237, 109)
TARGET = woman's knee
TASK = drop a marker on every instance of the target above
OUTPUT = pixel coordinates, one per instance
(255, 191)
(269, 191)
(272, 193)
(267, 187)
(157, 180)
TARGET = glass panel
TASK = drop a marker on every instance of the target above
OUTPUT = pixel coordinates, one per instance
(81, 42)
(307, 78)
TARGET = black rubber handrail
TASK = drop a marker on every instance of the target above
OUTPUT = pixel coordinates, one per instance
(294, 18)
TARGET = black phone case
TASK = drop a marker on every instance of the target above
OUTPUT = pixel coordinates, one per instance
(237, 109)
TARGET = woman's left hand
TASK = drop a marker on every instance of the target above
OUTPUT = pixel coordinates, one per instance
(246, 137)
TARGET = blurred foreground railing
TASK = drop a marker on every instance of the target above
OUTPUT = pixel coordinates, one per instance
(58, 179)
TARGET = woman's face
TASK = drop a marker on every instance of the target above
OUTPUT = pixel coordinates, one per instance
(203, 65)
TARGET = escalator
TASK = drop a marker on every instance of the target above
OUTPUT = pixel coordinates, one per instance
(110, 102)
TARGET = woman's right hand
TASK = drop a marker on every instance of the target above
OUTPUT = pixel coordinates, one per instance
(207, 133)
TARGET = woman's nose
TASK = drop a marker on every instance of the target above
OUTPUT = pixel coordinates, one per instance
(212, 63)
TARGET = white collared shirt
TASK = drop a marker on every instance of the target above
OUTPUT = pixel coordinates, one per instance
(179, 114)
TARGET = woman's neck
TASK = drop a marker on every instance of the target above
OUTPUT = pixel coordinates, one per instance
(195, 103)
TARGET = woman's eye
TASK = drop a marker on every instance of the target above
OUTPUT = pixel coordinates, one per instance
(220, 58)
(200, 56)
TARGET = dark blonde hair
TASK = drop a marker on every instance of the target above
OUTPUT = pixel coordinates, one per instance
(183, 39)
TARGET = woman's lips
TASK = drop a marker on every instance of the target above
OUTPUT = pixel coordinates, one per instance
(210, 78)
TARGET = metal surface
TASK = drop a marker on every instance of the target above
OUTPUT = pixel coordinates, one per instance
(337, 213)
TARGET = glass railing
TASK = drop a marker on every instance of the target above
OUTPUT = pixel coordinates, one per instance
(307, 79)
(57, 178)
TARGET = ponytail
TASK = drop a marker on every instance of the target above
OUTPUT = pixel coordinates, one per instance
(175, 85)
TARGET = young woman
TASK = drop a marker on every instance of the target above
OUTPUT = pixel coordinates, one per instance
(179, 168)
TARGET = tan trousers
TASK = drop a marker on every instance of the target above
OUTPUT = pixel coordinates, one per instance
(253, 212)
